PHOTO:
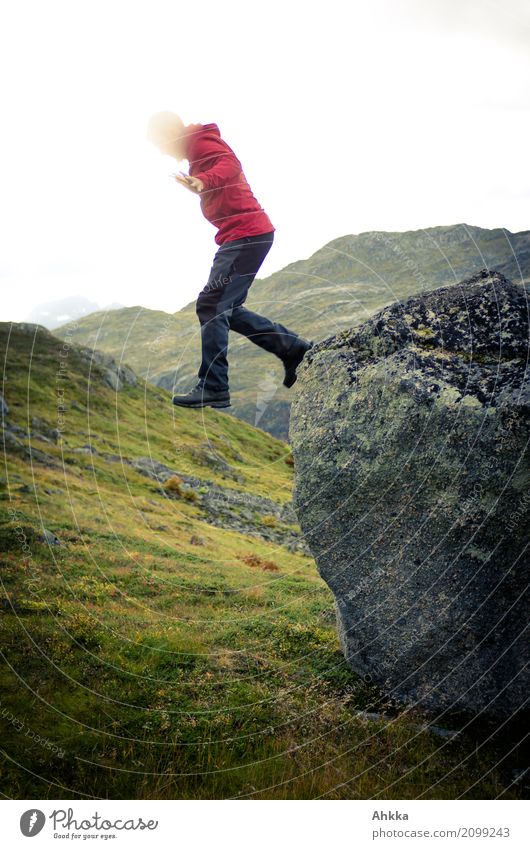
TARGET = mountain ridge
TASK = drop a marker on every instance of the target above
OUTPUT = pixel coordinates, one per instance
(338, 286)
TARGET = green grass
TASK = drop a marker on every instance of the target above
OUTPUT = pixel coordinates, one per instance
(159, 668)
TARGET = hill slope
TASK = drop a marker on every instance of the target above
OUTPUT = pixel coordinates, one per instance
(340, 285)
(169, 639)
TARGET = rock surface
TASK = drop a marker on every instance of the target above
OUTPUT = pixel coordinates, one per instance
(410, 439)
(114, 375)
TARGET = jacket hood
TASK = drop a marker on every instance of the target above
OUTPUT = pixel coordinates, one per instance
(200, 131)
(211, 128)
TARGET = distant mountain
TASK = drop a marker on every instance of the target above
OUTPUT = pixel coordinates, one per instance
(339, 286)
(57, 313)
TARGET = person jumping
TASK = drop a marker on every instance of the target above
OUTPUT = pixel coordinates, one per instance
(245, 235)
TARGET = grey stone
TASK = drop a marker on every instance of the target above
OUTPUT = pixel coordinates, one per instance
(13, 428)
(111, 378)
(113, 375)
(231, 508)
(11, 443)
(206, 455)
(50, 538)
(27, 451)
(443, 733)
(410, 439)
(4, 409)
(41, 430)
(436, 730)
(197, 540)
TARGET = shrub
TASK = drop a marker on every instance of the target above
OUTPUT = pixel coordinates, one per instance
(258, 562)
(269, 521)
(173, 485)
(176, 488)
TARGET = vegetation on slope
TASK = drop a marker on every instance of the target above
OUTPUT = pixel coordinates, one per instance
(339, 286)
(149, 653)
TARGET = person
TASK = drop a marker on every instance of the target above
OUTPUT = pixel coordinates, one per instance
(244, 235)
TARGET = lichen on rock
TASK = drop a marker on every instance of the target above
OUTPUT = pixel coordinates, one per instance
(410, 439)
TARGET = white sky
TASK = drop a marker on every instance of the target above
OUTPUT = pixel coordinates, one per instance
(347, 117)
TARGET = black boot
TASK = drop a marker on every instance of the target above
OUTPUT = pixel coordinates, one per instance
(293, 360)
(201, 397)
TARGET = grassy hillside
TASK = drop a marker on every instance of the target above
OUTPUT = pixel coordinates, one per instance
(163, 632)
(338, 286)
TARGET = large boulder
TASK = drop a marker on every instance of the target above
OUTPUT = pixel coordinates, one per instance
(409, 436)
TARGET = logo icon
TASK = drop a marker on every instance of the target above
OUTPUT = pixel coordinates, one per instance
(31, 822)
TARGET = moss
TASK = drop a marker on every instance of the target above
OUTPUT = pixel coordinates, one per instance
(424, 332)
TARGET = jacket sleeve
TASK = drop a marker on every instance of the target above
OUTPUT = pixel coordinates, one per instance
(219, 169)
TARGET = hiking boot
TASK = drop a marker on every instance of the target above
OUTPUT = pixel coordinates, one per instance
(201, 397)
(293, 360)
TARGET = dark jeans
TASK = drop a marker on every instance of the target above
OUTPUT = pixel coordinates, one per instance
(219, 308)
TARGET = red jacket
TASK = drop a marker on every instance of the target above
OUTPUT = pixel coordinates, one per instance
(226, 200)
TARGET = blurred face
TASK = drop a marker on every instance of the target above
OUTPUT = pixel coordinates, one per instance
(169, 139)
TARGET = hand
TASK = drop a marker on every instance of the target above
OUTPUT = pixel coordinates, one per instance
(192, 183)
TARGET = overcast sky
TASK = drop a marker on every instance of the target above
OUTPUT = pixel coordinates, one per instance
(347, 117)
